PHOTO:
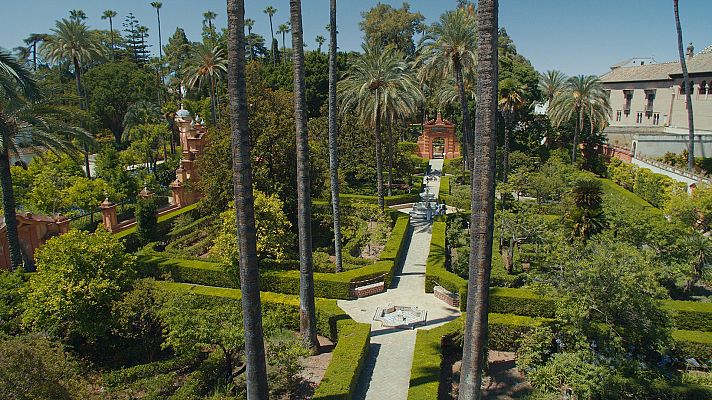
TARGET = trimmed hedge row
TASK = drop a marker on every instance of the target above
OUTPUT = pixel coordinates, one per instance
(352, 338)
(132, 243)
(346, 199)
(690, 315)
(695, 344)
(444, 185)
(654, 188)
(342, 375)
(524, 302)
(435, 272)
(274, 278)
(504, 331)
(613, 189)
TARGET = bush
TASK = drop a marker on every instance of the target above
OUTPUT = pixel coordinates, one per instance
(146, 219)
(653, 188)
(164, 224)
(521, 302)
(690, 315)
(693, 344)
(435, 271)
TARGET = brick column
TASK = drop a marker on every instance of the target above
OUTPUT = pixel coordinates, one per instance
(108, 215)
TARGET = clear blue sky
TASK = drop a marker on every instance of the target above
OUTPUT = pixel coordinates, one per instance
(575, 36)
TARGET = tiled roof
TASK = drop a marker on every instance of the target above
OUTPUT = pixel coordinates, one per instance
(700, 63)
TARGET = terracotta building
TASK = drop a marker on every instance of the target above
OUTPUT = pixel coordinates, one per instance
(438, 139)
(192, 140)
(33, 231)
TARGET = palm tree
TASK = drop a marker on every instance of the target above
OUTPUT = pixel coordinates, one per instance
(552, 83)
(27, 120)
(320, 40)
(688, 93)
(71, 41)
(270, 11)
(307, 308)
(208, 17)
(208, 63)
(511, 99)
(157, 5)
(284, 29)
(110, 14)
(448, 50)
(256, 375)
(700, 248)
(583, 98)
(249, 23)
(140, 113)
(333, 137)
(77, 15)
(32, 41)
(378, 86)
(482, 219)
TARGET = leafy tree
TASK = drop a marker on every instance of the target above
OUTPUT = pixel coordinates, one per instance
(111, 169)
(511, 99)
(274, 237)
(384, 25)
(113, 88)
(34, 367)
(11, 301)
(700, 249)
(135, 40)
(87, 194)
(177, 54)
(146, 219)
(137, 316)
(79, 277)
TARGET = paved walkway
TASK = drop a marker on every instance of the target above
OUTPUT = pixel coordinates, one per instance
(386, 372)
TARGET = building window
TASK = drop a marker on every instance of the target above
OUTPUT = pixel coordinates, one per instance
(628, 96)
(639, 117)
(703, 88)
(650, 98)
(618, 115)
(692, 88)
(656, 118)
(682, 88)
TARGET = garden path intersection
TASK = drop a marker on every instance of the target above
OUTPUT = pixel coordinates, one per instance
(386, 371)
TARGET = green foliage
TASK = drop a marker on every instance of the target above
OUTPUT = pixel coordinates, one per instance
(692, 210)
(384, 25)
(341, 376)
(136, 316)
(693, 344)
(79, 276)
(146, 219)
(579, 372)
(112, 169)
(33, 367)
(690, 315)
(654, 188)
(535, 348)
(11, 301)
(435, 272)
(521, 302)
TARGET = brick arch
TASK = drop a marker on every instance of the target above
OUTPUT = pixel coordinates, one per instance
(438, 129)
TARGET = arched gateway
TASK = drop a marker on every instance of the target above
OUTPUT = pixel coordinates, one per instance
(438, 139)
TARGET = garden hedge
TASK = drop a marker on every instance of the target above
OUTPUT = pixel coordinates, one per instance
(693, 344)
(613, 189)
(654, 188)
(279, 276)
(163, 226)
(340, 379)
(346, 199)
(504, 331)
(435, 271)
(524, 302)
(690, 315)
(444, 185)
(352, 338)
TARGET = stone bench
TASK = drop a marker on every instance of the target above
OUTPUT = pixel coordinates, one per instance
(450, 298)
(368, 290)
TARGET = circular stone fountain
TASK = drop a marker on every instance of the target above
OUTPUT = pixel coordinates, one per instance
(407, 317)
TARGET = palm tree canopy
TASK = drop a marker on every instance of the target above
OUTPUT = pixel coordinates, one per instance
(283, 28)
(208, 16)
(14, 76)
(206, 63)
(156, 4)
(77, 15)
(270, 11)
(551, 83)
(380, 80)
(582, 97)
(108, 14)
(511, 95)
(449, 41)
(72, 41)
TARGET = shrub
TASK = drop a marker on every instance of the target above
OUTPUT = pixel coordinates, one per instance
(341, 376)
(435, 271)
(690, 315)
(693, 344)
(146, 219)
(521, 302)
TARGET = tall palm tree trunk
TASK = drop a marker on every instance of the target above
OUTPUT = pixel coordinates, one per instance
(505, 154)
(284, 49)
(256, 375)
(307, 308)
(482, 219)
(111, 30)
(8, 205)
(467, 144)
(390, 157)
(688, 95)
(379, 153)
(333, 134)
(271, 44)
(82, 106)
(34, 56)
(212, 101)
(577, 131)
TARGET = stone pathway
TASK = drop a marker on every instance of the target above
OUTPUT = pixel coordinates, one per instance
(386, 372)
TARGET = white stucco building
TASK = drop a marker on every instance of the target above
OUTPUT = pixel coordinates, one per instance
(648, 103)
